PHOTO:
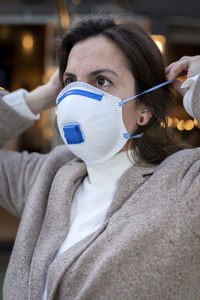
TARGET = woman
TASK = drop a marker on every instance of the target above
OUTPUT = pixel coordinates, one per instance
(106, 227)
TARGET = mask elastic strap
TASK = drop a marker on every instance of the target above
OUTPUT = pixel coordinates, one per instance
(121, 103)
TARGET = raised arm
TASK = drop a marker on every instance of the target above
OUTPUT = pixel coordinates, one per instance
(44, 96)
(18, 171)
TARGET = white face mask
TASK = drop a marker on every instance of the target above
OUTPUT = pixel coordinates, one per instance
(90, 122)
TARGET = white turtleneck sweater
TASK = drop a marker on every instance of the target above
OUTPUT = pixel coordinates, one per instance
(93, 198)
(94, 195)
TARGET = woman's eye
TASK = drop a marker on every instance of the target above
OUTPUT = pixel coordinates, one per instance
(68, 81)
(102, 81)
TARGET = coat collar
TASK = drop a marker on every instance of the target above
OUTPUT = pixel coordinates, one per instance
(129, 182)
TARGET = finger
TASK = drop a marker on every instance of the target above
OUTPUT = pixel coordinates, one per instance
(194, 68)
(179, 68)
(184, 58)
(170, 67)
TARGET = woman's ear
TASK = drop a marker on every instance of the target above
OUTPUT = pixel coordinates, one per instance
(143, 117)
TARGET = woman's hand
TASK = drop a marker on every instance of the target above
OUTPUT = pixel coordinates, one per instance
(186, 66)
(44, 96)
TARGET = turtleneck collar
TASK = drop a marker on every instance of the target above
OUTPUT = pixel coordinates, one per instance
(107, 173)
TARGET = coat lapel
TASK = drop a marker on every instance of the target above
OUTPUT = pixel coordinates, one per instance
(63, 262)
(130, 181)
(56, 221)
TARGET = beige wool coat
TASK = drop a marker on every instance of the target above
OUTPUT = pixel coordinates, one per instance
(148, 247)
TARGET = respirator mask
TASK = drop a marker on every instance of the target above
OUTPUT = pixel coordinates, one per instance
(90, 122)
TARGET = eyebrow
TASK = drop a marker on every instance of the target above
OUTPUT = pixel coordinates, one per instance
(93, 73)
(96, 72)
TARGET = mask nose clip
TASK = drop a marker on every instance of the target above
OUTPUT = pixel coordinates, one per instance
(73, 134)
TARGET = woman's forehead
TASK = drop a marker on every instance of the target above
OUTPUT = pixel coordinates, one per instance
(96, 52)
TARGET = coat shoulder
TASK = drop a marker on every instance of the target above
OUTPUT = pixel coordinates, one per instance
(188, 155)
(181, 160)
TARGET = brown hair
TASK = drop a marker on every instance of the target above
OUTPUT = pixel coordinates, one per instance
(147, 66)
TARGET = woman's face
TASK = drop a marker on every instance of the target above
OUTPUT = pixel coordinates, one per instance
(99, 62)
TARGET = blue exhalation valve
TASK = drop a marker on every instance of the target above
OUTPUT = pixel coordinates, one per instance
(73, 134)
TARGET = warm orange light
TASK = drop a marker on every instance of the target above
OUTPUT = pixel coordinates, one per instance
(27, 42)
(64, 20)
(180, 125)
(160, 46)
(188, 125)
(162, 124)
(160, 41)
(196, 123)
(172, 122)
(64, 15)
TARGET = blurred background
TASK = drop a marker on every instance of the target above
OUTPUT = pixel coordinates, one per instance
(29, 34)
